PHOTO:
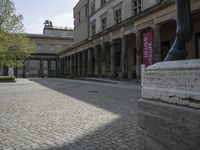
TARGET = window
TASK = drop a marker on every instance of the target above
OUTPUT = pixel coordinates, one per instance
(79, 17)
(39, 47)
(103, 2)
(137, 7)
(93, 8)
(93, 28)
(118, 16)
(86, 10)
(103, 23)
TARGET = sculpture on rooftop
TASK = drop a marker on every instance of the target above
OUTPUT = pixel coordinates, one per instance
(48, 23)
(184, 31)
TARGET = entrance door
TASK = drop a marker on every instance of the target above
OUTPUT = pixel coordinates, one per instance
(165, 46)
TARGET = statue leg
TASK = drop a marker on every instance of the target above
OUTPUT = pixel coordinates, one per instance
(183, 33)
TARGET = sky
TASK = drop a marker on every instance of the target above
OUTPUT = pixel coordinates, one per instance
(34, 12)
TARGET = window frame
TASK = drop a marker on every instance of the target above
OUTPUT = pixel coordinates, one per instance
(103, 24)
(136, 7)
(118, 15)
(93, 27)
(92, 8)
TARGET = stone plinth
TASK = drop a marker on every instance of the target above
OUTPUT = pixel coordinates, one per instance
(169, 110)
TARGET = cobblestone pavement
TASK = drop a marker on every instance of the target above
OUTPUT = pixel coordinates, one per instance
(67, 114)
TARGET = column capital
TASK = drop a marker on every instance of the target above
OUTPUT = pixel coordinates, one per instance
(156, 27)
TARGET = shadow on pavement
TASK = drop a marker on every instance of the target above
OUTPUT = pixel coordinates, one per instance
(119, 134)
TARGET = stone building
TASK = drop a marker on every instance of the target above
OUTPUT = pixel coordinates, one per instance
(114, 37)
(44, 62)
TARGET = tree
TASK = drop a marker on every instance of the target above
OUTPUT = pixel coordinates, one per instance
(10, 21)
(15, 46)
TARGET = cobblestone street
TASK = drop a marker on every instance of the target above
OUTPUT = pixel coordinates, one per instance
(68, 114)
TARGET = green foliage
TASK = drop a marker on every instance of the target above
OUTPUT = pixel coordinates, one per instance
(10, 21)
(7, 78)
(15, 47)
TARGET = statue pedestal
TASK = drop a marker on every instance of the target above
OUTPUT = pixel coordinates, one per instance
(169, 110)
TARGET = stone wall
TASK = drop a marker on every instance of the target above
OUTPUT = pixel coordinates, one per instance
(80, 22)
(169, 111)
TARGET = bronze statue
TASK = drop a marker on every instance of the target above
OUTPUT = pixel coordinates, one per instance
(184, 31)
(48, 23)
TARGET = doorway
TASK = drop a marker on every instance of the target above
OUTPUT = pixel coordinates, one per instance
(165, 46)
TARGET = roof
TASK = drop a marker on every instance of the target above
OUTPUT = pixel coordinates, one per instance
(41, 36)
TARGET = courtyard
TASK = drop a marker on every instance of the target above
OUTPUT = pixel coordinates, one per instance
(68, 114)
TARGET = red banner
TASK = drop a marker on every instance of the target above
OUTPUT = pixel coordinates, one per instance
(148, 48)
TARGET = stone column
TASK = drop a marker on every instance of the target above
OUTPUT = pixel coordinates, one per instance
(103, 60)
(75, 64)
(96, 61)
(64, 65)
(83, 63)
(71, 65)
(49, 67)
(79, 63)
(124, 58)
(68, 65)
(24, 70)
(157, 44)
(90, 66)
(58, 67)
(113, 60)
(61, 66)
(138, 53)
(41, 68)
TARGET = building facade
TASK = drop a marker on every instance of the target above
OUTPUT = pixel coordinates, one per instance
(44, 63)
(119, 36)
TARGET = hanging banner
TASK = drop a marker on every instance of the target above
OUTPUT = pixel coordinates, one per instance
(148, 48)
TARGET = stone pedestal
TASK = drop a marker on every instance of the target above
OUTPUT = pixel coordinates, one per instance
(169, 110)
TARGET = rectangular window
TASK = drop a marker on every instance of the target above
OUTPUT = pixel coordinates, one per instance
(136, 7)
(118, 15)
(79, 17)
(92, 8)
(103, 23)
(86, 10)
(39, 47)
(93, 28)
(103, 2)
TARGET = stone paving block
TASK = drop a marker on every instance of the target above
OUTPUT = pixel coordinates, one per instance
(61, 114)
